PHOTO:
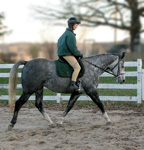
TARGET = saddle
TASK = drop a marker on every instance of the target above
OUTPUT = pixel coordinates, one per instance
(63, 69)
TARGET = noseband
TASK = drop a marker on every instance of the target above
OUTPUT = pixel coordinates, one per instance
(105, 70)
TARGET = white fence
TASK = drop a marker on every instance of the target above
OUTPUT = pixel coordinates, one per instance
(139, 86)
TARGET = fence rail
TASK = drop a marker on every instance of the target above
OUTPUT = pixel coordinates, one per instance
(139, 86)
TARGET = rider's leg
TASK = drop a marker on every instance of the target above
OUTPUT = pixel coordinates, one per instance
(74, 63)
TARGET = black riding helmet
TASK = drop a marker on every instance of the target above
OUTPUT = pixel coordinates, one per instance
(71, 21)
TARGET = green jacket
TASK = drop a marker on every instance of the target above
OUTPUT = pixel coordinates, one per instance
(67, 44)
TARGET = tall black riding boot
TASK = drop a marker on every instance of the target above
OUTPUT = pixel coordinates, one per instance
(73, 86)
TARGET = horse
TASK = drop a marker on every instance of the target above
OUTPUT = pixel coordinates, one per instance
(39, 73)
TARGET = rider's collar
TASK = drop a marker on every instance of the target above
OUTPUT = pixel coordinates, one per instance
(69, 29)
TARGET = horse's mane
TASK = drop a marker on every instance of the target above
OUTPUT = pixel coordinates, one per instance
(99, 58)
(99, 55)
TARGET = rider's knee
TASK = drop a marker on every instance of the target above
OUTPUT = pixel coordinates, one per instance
(77, 67)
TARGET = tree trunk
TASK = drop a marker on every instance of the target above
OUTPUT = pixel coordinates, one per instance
(135, 42)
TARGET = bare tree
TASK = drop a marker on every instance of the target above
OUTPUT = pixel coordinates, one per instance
(100, 12)
(34, 50)
(8, 57)
(49, 50)
(3, 28)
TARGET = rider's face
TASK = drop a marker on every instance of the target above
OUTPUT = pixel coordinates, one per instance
(75, 26)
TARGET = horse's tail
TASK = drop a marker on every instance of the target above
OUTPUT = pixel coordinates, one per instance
(13, 83)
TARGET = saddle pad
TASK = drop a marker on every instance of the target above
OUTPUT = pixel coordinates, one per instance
(63, 69)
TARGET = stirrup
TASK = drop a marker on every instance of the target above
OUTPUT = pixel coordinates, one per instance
(73, 86)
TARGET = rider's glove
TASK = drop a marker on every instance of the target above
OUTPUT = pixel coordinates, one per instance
(81, 56)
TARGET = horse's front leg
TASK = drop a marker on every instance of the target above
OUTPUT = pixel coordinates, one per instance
(72, 100)
(93, 94)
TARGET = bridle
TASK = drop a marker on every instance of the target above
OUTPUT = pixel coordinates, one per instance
(105, 70)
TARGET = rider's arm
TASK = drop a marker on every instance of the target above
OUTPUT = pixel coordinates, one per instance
(71, 43)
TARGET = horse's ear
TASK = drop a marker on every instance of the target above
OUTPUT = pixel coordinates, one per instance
(122, 55)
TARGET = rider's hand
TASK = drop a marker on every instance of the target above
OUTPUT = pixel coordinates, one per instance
(81, 56)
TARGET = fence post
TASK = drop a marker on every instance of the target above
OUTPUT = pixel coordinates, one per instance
(139, 80)
(142, 84)
(58, 97)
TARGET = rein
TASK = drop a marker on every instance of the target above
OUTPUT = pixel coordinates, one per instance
(105, 70)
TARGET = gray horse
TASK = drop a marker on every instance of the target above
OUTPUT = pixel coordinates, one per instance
(40, 73)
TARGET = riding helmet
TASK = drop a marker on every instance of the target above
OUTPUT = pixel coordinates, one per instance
(71, 21)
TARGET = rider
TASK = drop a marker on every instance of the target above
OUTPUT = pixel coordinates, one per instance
(68, 50)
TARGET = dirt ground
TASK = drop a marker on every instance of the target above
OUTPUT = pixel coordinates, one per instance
(83, 129)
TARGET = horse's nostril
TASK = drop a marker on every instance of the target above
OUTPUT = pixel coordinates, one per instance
(123, 80)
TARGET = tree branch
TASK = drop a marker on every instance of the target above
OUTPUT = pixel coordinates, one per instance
(113, 2)
(141, 11)
(92, 12)
(97, 23)
(142, 31)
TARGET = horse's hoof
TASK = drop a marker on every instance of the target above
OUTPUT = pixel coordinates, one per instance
(60, 122)
(52, 125)
(108, 123)
(59, 125)
(10, 127)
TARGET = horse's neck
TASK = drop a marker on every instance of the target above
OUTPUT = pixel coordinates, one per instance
(109, 60)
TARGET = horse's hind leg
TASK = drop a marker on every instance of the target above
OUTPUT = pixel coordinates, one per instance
(93, 94)
(23, 98)
(72, 100)
(39, 105)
